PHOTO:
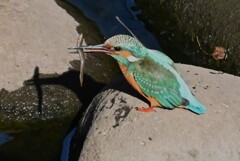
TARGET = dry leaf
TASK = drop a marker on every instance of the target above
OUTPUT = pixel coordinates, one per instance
(219, 53)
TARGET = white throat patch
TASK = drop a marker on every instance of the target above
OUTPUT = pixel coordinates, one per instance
(133, 59)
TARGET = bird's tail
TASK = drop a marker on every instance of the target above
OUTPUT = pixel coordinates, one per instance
(196, 106)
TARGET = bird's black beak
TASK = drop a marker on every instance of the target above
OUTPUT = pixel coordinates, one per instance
(92, 49)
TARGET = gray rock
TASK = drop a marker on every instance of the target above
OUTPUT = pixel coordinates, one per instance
(120, 133)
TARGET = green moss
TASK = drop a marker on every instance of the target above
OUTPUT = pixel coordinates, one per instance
(36, 140)
(214, 22)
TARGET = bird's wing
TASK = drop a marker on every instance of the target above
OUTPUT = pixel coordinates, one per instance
(158, 82)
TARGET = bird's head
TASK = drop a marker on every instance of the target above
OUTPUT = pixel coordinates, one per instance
(121, 47)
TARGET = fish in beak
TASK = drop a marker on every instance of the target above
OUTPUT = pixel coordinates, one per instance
(93, 49)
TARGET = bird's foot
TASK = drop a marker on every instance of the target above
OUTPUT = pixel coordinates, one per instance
(149, 109)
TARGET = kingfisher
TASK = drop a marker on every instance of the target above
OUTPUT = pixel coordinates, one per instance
(149, 72)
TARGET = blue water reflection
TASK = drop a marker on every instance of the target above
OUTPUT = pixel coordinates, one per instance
(104, 12)
(5, 138)
(66, 145)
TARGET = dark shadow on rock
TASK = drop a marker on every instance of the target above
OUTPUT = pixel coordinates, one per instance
(37, 84)
(69, 80)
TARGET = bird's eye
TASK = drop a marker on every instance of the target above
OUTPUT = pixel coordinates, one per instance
(117, 48)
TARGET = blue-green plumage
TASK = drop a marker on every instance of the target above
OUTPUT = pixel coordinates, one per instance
(164, 83)
(153, 71)
(157, 76)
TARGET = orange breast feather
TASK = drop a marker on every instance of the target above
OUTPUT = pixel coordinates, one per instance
(133, 83)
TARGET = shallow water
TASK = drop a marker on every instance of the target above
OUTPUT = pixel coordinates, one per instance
(4, 138)
(104, 13)
(40, 141)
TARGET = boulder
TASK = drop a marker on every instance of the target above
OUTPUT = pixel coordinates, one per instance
(118, 132)
(35, 65)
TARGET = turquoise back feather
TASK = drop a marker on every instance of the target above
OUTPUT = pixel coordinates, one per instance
(156, 74)
(194, 104)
